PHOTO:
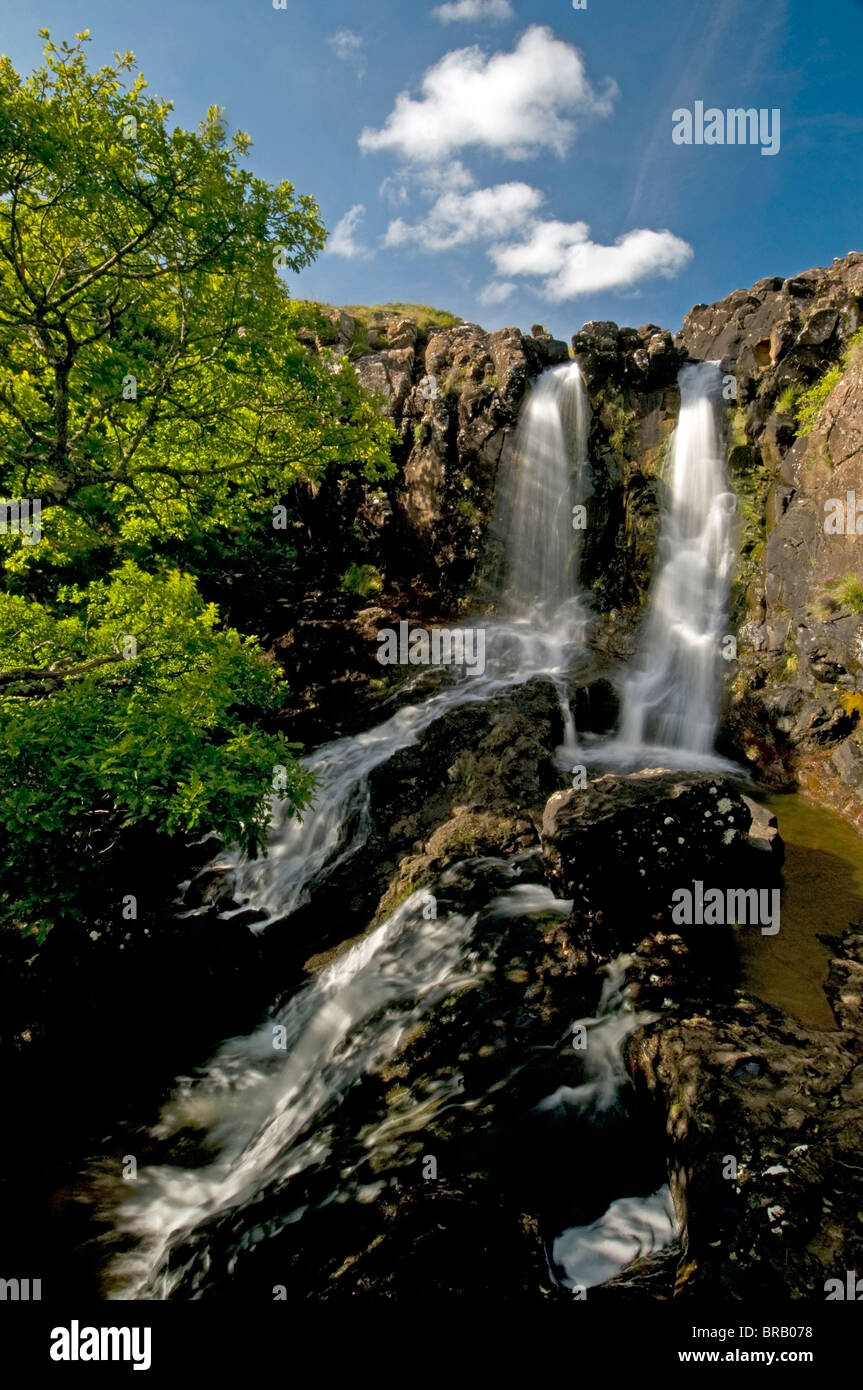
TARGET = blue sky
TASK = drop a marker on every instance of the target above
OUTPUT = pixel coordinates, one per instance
(513, 160)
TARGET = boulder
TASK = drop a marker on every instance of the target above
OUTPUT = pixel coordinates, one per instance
(622, 846)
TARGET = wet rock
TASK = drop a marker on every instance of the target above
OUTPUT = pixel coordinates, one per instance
(764, 830)
(764, 1119)
(622, 846)
(595, 706)
(475, 783)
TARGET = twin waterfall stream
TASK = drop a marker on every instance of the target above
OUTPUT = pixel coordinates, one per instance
(278, 1136)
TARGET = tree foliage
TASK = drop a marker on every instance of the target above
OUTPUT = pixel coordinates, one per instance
(156, 388)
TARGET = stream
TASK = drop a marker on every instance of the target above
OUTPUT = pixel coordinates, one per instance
(274, 1165)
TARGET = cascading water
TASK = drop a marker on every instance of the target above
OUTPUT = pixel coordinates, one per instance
(671, 701)
(544, 478)
(266, 1108)
(279, 1138)
(540, 632)
(632, 1226)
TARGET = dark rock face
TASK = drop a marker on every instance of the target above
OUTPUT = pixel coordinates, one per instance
(797, 694)
(631, 379)
(762, 1115)
(754, 330)
(764, 1120)
(474, 784)
(621, 847)
(454, 396)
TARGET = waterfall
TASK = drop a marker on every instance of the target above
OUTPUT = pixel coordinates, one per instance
(672, 699)
(269, 1118)
(544, 477)
(265, 1111)
(540, 630)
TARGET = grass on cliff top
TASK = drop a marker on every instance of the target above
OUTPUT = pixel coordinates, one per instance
(425, 316)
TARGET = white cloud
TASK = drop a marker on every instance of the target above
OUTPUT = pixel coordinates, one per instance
(457, 218)
(343, 241)
(497, 292)
(474, 9)
(573, 265)
(350, 48)
(544, 251)
(514, 104)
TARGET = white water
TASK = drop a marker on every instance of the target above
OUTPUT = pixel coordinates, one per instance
(671, 699)
(338, 824)
(264, 1108)
(615, 1020)
(543, 478)
(266, 1113)
(632, 1226)
(542, 638)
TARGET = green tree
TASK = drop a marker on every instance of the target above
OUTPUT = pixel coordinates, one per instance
(156, 389)
(134, 709)
(153, 382)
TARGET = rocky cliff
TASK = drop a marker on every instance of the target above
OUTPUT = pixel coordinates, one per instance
(794, 392)
(796, 697)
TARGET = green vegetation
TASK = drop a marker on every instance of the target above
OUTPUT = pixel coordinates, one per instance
(454, 383)
(786, 403)
(157, 396)
(469, 512)
(751, 483)
(739, 434)
(809, 404)
(112, 732)
(847, 592)
(424, 315)
(362, 580)
(618, 420)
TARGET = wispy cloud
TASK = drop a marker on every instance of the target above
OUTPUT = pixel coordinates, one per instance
(426, 181)
(514, 104)
(497, 292)
(495, 10)
(350, 48)
(343, 240)
(691, 67)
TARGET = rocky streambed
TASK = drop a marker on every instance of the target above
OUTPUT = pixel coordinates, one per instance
(491, 1086)
(508, 1064)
